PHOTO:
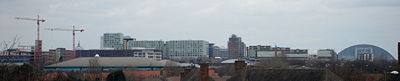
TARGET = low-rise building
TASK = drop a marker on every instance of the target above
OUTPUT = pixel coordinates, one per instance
(326, 55)
(144, 53)
(260, 51)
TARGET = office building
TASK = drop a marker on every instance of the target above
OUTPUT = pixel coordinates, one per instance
(111, 41)
(150, 44)
(236, 48)
(220, 52)
(187, 48)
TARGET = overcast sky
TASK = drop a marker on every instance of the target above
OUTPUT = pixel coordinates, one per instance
(303, 24)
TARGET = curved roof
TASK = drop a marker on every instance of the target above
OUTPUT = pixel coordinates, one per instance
(352, 52)
(231, 61)
(112, 61)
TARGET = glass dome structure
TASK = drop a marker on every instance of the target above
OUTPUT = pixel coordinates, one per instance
(353, 52)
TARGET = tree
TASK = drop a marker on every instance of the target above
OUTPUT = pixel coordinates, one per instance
(172, 68)
(6, 45)
(274, 62)
(116, 76)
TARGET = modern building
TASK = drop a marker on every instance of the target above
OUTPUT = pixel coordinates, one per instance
(366, 57)
(260, 51)
(126, 41)
(236, 48)
(150, 44)
(143, 53)
(354, 53)
(326, 55)
(187, 48)
(220, 52)
(111, 41)
(211, 50)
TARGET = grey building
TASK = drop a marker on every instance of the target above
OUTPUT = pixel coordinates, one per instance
(220, 52)
(236, 48)
(111, 41)
(327, 55)
(187, 48)
(261, 51)
(153, 44)
(211, 50)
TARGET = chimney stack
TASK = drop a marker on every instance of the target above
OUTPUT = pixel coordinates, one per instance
(204, 72)
(186, 71)
(239, 64)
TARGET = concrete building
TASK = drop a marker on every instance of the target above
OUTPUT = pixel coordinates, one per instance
(326, 55)
(187, 48)
(111, 41)
(236, 48)
(260, 51)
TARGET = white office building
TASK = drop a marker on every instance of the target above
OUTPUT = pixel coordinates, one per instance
(187, 48)
(152, 44)
(111, 41)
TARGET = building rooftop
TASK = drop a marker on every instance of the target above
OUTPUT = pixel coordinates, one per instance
(111, 62)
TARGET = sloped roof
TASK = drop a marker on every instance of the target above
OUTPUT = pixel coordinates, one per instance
(112, 61)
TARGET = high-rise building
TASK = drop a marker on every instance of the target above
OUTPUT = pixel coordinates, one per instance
(187, 48)
(112, 41)
(211, 50)
(236, 48)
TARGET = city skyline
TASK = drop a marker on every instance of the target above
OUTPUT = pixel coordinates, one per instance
(313, 25)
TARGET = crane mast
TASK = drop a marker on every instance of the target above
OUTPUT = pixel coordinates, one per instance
(73, 35)
(38, 42)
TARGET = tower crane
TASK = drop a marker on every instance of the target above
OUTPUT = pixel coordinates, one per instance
(73, 35)
(38, 42)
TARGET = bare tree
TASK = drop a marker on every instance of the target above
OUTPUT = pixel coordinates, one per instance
(6, 45)
(172, 68)
(274, 62)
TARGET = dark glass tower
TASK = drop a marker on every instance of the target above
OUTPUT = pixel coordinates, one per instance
(236, 48)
